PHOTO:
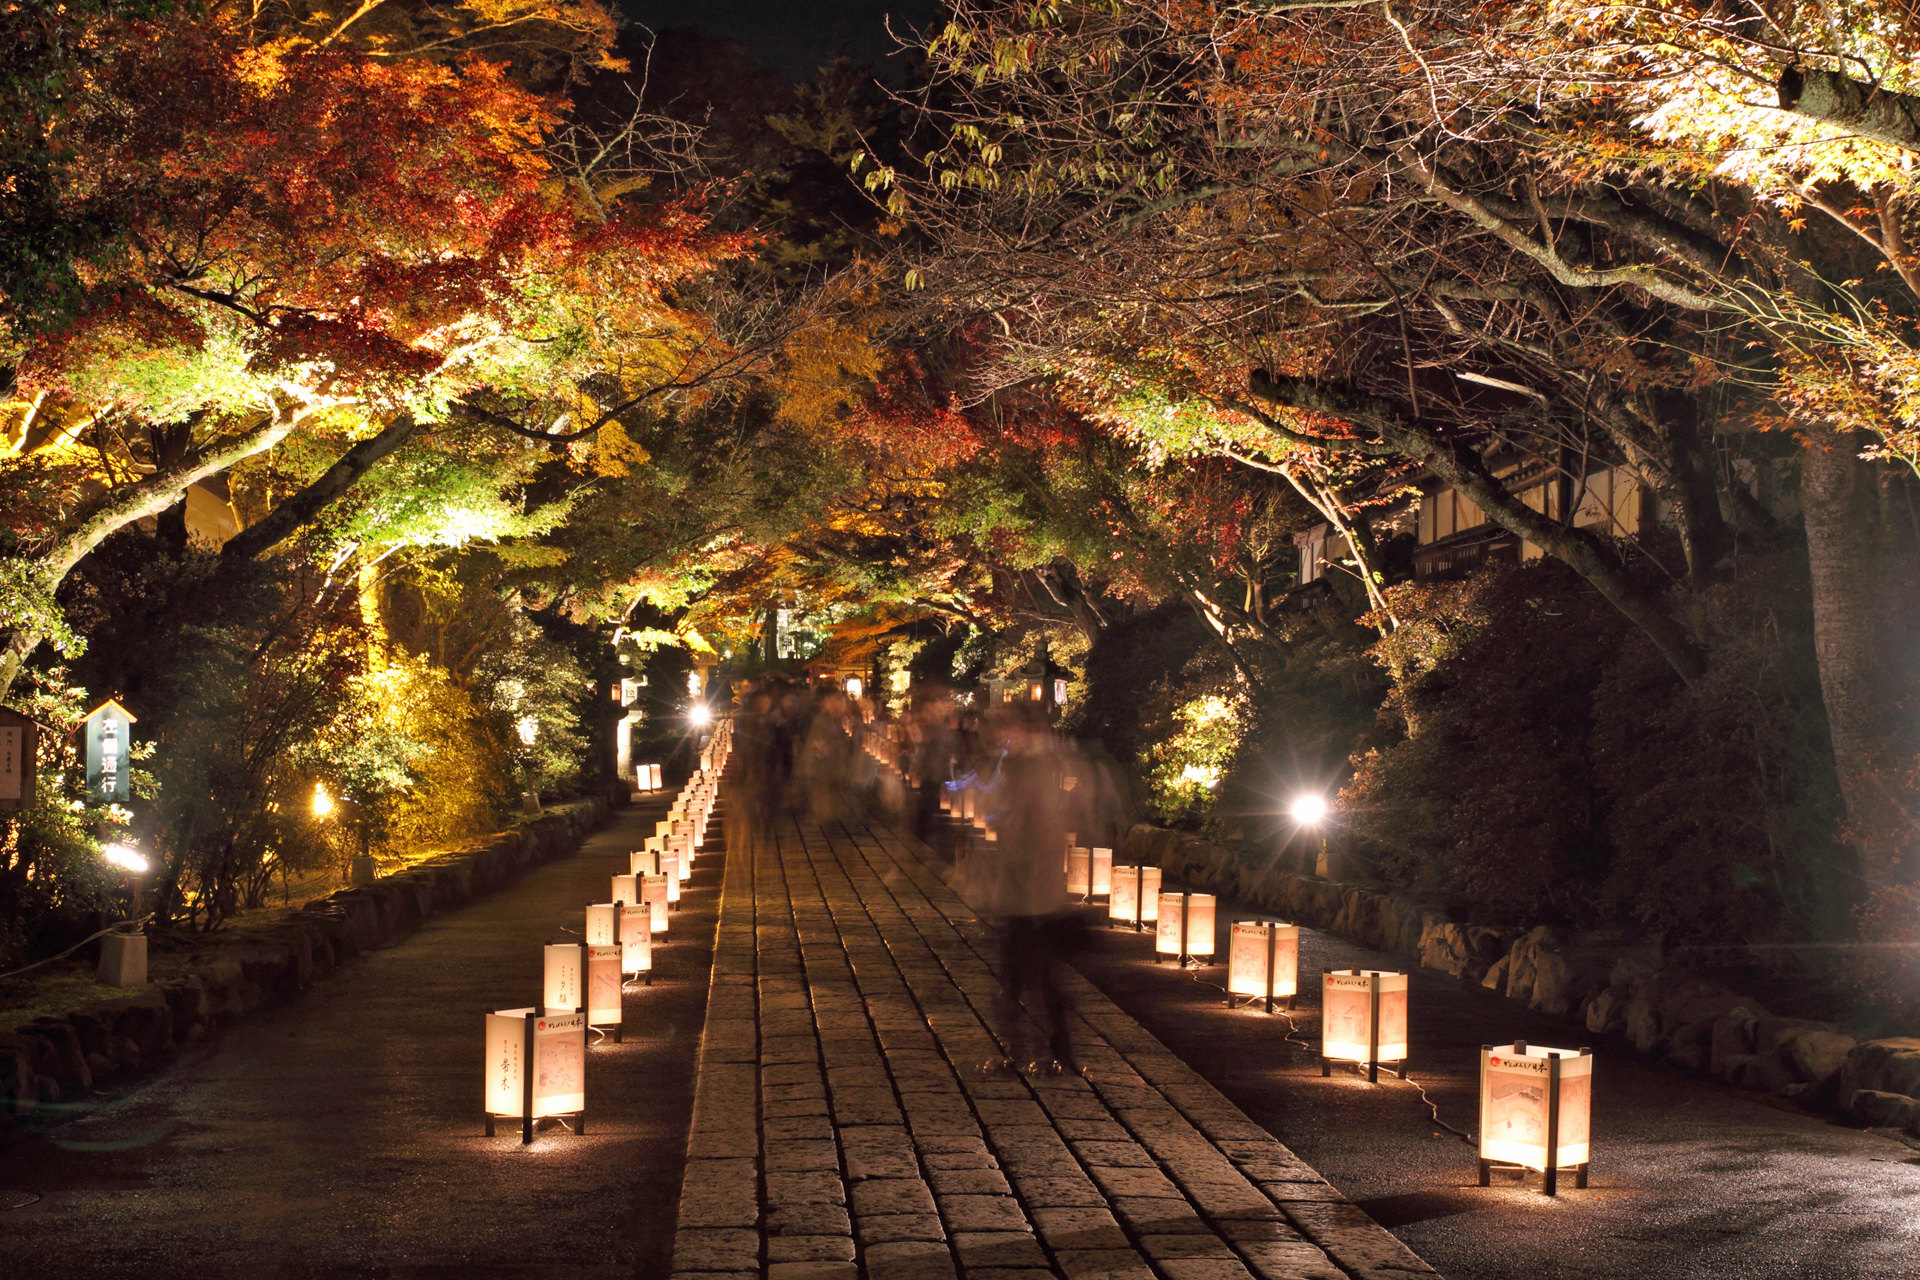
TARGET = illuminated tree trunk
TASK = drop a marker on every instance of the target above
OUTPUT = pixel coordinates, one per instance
(115, 509)
(1838, 496)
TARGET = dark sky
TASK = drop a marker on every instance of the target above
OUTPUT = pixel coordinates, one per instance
(795, 36)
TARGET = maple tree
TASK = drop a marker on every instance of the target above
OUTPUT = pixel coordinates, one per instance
(321, 239)
(1561, 237)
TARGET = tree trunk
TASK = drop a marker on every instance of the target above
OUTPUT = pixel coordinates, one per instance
(300, 510)
(117, 508)
(1838, 496)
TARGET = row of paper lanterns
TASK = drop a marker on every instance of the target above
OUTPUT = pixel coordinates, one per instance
(1535, 1102)
(536, 1057)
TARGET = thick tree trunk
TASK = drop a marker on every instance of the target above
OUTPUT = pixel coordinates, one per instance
(117, 508)
(1838, 496)
(299, 510)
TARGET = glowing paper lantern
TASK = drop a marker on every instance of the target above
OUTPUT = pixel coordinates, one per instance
(1089, 872)
(1136, 896)
(1186, 925)
(1363, 1019)
(564, 986)
(946, 800)
(1263, 961)
(627, 888)
(636, 942)
(682, 860)
(536, 1067)
(1536, 1111)
(653, 892)
(605, 1004)
(614, 924)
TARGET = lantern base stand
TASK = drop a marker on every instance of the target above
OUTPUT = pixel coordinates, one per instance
(1549, 1179)
(1372, 1069)
(1243, 1002)
(576, 1123)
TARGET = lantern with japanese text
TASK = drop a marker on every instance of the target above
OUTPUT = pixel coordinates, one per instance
(1263, 961)
(1136, 896)
(653, 892)
(536, 1068)
(1536, 1111)
(563, 988)
(628, 926)
(1363, 1020)
(1185, 926)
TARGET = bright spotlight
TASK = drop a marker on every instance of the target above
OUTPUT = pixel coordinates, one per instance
(699, 714)
(322, 802)
(125, 857)
(1309, 810)
(529, 730)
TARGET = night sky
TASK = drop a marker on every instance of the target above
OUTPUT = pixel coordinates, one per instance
(795, 36)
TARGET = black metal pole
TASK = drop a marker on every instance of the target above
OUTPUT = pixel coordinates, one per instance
(526, 1079)
(1373, 1028)
(1552, 1186)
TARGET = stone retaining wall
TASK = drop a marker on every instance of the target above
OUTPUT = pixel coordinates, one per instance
(229, 975)
(1607, 981)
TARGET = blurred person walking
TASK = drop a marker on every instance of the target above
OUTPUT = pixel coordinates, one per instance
(1021, 883)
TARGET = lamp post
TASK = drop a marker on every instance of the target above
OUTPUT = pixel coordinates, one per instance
(529, 730)
(123, 956)
(1309, 809)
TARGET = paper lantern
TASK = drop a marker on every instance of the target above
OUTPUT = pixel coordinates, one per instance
(615, 924)
(966, 804)
(1136, 896)
(946, 800)
(670, 867)
(1263, 961)
(1185, 926)
(1363, 1019)
(606, 1005)
(627, 888)
(653, 892)
(663, 828)
(1536, 1111)
(1089, 872)
(536, 1067)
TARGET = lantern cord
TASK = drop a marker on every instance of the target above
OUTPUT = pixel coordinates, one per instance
(1293, 1029)
(1434, 1111)
(123, 926)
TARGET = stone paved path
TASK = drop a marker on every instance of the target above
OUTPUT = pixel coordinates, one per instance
(840, 1128)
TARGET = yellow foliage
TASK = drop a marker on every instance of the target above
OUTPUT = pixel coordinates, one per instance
(614, 453)
(822, 373)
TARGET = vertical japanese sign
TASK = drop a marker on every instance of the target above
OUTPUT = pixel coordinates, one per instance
(108, 731)
(18, 739)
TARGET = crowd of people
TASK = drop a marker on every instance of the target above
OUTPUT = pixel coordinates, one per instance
(805, 751)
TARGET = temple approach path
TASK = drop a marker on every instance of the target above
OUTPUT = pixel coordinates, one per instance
(842, 1128)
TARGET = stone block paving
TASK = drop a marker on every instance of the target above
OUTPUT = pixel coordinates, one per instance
(842, 1129)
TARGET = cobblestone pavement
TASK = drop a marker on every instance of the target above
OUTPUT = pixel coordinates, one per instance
(841, 1128)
